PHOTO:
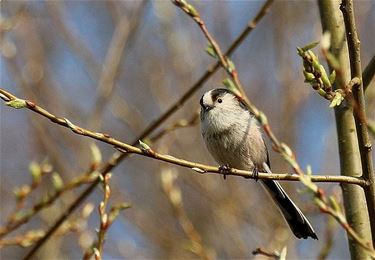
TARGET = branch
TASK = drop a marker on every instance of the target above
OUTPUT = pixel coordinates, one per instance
(364, 141)
(274, 255)
(182, 123)
(146, 151)
(118, 157)
(197, 167)
(368, 73)
(371, 126)
(320, 199)
(106, 220)
(174, 194)
(30, 237)
(21, 217)
(328, 242)
(123, 34)
(56, 11)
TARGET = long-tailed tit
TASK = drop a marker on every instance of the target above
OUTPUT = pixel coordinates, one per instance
(233, 137)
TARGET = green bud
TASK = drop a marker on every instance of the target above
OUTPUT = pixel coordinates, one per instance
(211, 51)
(70, 124)
(57, 182)
(144, 146)
(16, 103)
(310, 46)
(192, 10)
(263, 119)
(23, 214)
(332, 77)
(337, 99)
(300, 52)
(309, 77)
(115, 211)
(229, 84)
(231, 65)
(312, 55)
(322, 92)
(36, 172)
(316, 65)
(96, 154)
(324, 77)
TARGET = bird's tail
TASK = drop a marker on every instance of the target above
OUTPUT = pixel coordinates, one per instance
(298, 223)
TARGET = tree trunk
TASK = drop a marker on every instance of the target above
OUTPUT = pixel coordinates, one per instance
(350, 160)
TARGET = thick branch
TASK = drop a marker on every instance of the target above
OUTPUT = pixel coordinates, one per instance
(280, 147)
(364, 141)
(350, 163)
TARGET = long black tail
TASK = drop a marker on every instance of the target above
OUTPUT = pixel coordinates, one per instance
(297, 221)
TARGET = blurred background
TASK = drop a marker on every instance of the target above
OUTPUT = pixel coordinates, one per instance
(116, 66)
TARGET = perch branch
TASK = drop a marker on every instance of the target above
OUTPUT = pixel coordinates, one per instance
(148, 152)
(326, 206)
(118, 157)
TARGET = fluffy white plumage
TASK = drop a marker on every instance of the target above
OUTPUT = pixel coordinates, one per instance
(231, 133)
(233, 137)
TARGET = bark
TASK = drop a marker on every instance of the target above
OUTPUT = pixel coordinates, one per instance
(350, 160)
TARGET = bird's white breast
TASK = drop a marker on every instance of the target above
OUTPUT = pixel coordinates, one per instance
(234, 140)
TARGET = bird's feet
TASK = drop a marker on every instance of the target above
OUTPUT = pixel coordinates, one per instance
(224, 169)
(256, 173)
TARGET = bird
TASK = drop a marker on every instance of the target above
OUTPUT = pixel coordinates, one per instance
(233, 137)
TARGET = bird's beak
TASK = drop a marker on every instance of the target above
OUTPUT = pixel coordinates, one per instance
(205, 107)
(208, 108)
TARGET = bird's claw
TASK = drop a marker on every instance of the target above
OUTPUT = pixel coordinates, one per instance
(256, 173)
(224, 169)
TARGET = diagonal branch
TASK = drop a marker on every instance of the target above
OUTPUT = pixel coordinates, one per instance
(320, 199)
(368, 73)
(122, 36)
(118, 157)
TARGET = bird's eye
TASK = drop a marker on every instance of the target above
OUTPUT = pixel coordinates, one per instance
(219, 100)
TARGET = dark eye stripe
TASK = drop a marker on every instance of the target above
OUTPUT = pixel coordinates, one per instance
(219, 92)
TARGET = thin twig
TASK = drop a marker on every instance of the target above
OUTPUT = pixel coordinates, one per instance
(56, 10)
(328, 239)
(319, 197)
(174, 194)
(106, 220)
(25, 215)
(122, 35)
(118, 157)
(182, 123)
(31, 236)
